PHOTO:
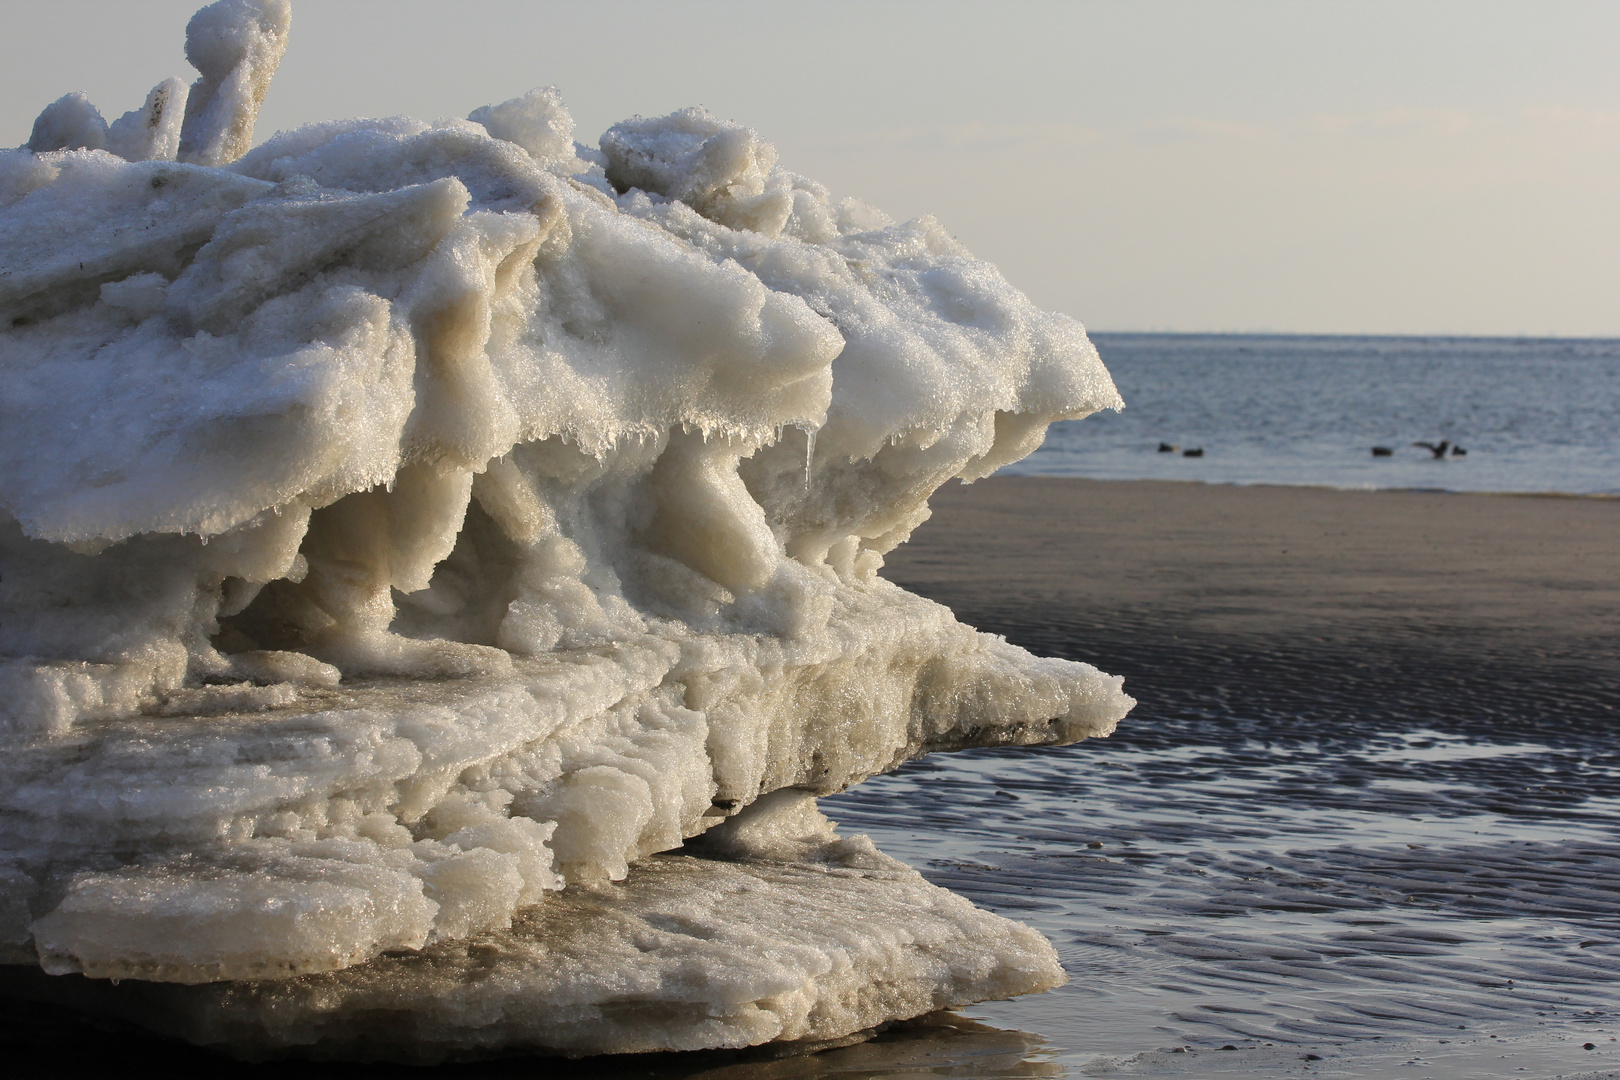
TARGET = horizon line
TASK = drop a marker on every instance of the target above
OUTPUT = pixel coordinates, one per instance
(1354, 334)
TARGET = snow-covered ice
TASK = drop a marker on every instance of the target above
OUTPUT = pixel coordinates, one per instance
(410, 530)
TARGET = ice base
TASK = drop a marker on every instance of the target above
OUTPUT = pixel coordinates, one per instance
(685, 953)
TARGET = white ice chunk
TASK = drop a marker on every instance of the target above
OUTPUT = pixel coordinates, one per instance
(410, 533)
(138, 924)
(237, 46)
(68, 123)
(152, 132)
(723, 170)
(538, 122)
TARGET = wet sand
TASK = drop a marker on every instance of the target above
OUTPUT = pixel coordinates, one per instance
(1476, 610)
(1530, 579)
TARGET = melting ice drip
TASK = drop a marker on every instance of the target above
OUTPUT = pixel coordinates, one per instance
(412, 530)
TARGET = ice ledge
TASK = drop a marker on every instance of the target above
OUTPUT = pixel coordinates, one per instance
(686, 953)
(396, 813)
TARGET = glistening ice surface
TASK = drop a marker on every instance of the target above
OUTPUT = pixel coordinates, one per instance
(408, 521)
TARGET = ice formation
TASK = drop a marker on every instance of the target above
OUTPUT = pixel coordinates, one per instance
(412, 530)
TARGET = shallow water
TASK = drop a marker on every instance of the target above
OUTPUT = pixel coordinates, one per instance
(1323, 853)
(1534, 415)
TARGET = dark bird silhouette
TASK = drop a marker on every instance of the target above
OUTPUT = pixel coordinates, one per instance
(1457, 451)
(1166, 448)
(1197, 451)
(1383, 451)
(1439, 451)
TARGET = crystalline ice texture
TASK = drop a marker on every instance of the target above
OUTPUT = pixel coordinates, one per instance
(404, 522)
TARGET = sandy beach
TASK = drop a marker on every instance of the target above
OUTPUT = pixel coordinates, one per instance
(1169, 583)
(1531, 577)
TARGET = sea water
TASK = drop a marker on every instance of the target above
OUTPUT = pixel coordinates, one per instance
(1533, 415)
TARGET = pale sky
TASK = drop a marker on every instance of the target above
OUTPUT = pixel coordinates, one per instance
(1401, 167)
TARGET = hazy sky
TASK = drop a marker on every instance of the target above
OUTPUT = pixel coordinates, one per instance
(1402, 167)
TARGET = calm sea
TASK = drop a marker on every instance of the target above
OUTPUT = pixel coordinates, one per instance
(1533, 415)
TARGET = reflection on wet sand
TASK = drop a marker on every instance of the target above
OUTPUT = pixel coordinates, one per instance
(942, 1044)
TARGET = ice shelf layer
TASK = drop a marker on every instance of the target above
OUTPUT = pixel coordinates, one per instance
(774, 931)
(410, 529)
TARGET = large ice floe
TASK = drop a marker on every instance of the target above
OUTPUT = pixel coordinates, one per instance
(439, 572)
